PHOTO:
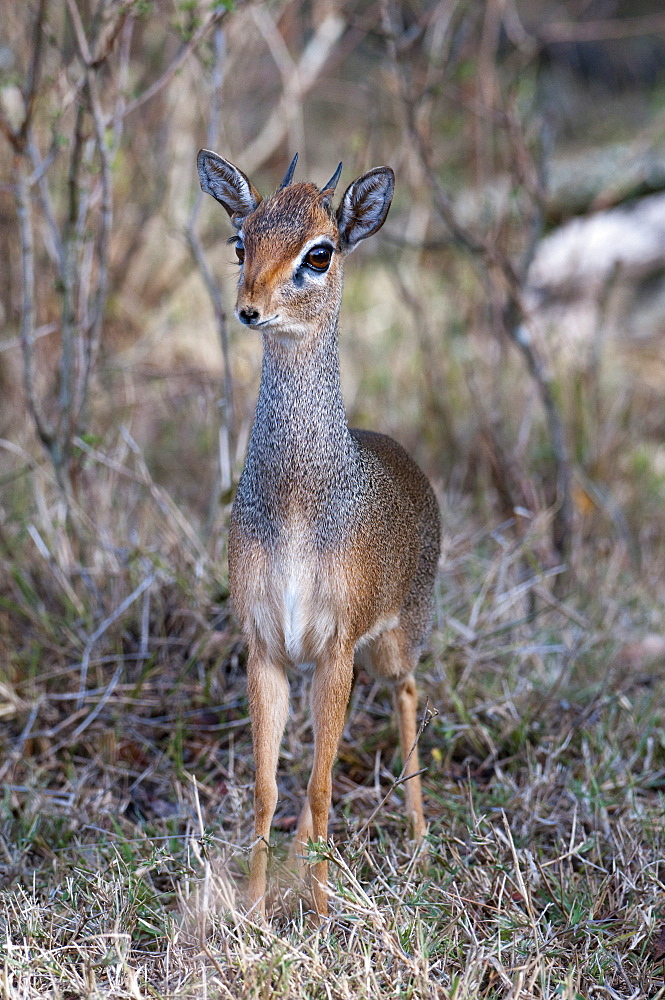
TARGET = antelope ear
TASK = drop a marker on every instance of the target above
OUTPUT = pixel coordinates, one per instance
(227, 185)
(365, 206)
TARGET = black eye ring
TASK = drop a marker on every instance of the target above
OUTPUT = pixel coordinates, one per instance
(240, 252)
(318, 258)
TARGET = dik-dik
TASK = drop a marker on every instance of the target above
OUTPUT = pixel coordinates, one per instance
(334, 534)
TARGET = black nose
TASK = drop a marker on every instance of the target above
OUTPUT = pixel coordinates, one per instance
(248, 316)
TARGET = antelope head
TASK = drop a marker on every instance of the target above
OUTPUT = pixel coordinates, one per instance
(290, 246)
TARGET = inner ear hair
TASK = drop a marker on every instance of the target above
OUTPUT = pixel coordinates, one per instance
(365, 205)
(228, 185)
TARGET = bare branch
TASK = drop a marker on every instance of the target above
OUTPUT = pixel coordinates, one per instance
(23, 210)
(123, 78)
(6, 129)
(107, 42)
(94, 98)
(41, 331)
(32, 84)
(305, 74)
(38, 178)
(18, 138)
(104, 626)
(593, 31)
(214, 291)
(75, 384)
(79, 33)
(95, 325)
(288, 71)
(213, 19)
(70, 253)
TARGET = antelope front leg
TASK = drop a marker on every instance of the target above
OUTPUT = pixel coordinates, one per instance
(331, 688)
(268, 691)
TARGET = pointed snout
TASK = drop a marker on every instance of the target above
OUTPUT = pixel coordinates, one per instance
(252, 302)
(254, 312)
(248, 315)
(256, 301)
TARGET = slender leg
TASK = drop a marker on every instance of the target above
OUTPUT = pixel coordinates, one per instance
(406, 704)
(390, 658)
(268, 691)
(304, 832)
(331, 688)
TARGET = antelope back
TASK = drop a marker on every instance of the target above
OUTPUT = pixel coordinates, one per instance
(290, 247)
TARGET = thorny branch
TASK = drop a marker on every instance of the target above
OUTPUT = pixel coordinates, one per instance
(18, 140)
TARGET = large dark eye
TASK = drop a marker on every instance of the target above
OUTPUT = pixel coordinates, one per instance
(318, 258)
(240, 252)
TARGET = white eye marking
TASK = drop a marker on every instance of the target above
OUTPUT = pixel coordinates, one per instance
(301, 262)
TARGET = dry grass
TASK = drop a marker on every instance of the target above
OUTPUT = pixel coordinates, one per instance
(126, 814)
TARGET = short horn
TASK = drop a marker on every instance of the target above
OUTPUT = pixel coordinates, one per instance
(288, 177)
(332, 183)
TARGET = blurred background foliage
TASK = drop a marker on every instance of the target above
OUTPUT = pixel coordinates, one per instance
(506, 326)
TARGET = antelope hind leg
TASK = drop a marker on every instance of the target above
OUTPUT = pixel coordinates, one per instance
(390, 659)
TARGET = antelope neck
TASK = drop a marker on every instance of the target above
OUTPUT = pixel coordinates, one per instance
(300, 449)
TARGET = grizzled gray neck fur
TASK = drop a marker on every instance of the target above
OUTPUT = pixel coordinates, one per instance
(301, 455)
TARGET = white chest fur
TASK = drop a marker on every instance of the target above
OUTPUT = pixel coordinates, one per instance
(290, 600)
(295, 600)
(307, 620)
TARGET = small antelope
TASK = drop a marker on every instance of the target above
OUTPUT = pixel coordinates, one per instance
(334, 534)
